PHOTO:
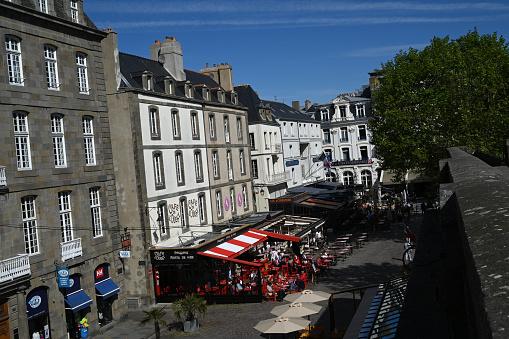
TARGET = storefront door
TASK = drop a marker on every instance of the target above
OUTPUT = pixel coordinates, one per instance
(37, 312)
(4, 319)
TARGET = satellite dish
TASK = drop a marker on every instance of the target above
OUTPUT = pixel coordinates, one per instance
(161, 58)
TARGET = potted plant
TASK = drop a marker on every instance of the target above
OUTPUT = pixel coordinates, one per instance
(187, 309)
(155, 315)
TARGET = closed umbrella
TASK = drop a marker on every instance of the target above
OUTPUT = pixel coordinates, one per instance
(296, 310)
(282, 325)
(307, 296)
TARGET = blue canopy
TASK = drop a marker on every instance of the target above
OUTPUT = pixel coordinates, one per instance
(77, 301)
(106, 288)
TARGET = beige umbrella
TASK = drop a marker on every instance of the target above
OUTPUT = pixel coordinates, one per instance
(296, 310)
(307, 296)
(281, 325)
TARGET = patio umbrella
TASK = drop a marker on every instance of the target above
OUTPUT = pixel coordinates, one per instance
(281, 325)
(307, 296)
(296, 310)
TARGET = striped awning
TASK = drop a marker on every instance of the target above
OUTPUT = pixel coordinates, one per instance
(238, 245)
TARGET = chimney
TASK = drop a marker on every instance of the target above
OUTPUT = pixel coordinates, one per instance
(111, 62)
(296, 105)
(222, 74)
(169, 54)
(307, 105)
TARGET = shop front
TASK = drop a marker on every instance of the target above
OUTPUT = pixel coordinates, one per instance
(77, 308)
(106, 292)
(38, 313)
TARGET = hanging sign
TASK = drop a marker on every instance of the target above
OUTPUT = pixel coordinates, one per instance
(125, 254)
(63, 277)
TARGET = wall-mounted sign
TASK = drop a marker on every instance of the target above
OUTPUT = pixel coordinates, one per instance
(292, 163)
(173, 256)
(125, 254)
(126, 241)
(63, 277)
(239, 199)
(351, 162)
(226, 204)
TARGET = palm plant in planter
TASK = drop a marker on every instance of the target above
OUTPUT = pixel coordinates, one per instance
(187, 309)
(155, 315)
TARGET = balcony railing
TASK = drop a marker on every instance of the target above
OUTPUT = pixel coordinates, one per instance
(14, 267)
(3, 177)
(343, 139)
(71, 249)
(278, 177)
(327, 141)
(363, 137)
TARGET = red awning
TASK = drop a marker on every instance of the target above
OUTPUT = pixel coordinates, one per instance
(238, 245)
(279, 236)
(231, 259)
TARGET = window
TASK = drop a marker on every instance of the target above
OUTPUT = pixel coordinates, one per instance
(348, 178)
(366, 178)
(183, 213)
(81, 64)
(198, 168)
(64, 203)
(226, 129)
(325, 114)
(268, 168)
(252, 141)
(219, 206)
(29, 225)
(294, 178)
(148, 81)
(74, 10)
(229, 163)
(57, 133)
(239, 129)
(285, 129)
(232, 199)
(364, 152)
(189, 90)
(326, 136)
(292, 130)
(346, 154)
(234, 98)
(362, 132)
(342, 112)
(162, 217)
(244, 196)
(215, 165)
(242, 163)
(22, 141)
(50, 59)
(169, 85)
(88, 134)
(43, 6)
(158, 170)
(201, 208)
(359, 110)
(194, 125)
(14, 64)
(95, 208)
(212, 127)
(154, 124)
(343, 134)
(266, 139)
(175, 123)
(254, 168)
(179, 167)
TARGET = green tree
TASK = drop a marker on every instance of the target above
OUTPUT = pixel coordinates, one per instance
(187, 308)
(155, 315)
(451, 93)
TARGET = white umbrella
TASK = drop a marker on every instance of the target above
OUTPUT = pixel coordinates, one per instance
(296, 310)
(307, 296)
(281, 325)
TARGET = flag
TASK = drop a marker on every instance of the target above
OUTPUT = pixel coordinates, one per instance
(322, 157)
(326, 161)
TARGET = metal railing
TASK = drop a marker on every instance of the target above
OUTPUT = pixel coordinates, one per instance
(278, 177)
(71, 249)
(14, 267)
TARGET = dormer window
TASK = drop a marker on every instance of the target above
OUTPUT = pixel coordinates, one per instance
(73, 4)
(325, 115)
(342, 112)
(169, 86)
(261, 110)
(148, 81)
(359, 110)
(234, 98)
(189, 90)
(206, 94)
(220, 96)
(43, 6)
(268, 112)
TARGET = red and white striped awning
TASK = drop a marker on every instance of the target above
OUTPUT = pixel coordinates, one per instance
(238, 245)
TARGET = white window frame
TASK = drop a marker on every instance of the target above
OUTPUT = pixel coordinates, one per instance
(198, 165)
(89, 141)
(366, 178)
(179, 167)
(232, 199)
(50, 60)
(64, 204)
(219, 204)
(360, 111)
(158, 169)
(194, 125)
(252, 143)
(14, 61)
(29, 217)
(348, 178)
(154, 123)
(57, 134)
(240, 135)
(254, 168)
(226, 129)
(175, 123)
(43, 6)
(161, 218)
(183, 213)
(73, 4)
(215, 164)
(212, 126)
(363, 149)
(345, 151)
(95, 209)
(201, 208)
(229, 163)
(244, 196)
(242, 164)
(22, 141)
(81, 64)
(343, 134)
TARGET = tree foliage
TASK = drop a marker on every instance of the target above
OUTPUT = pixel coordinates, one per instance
(451, 93)
(188, 307)
(155, 315)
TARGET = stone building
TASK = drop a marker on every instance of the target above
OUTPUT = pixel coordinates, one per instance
(57, 192)
(180, 151)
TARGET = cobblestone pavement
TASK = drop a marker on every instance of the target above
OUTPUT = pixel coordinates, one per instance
(377, 261)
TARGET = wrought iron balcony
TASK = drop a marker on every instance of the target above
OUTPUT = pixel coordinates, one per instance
(14, 267)
(71, 249)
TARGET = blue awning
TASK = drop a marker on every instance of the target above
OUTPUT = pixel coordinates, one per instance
(106, 288)
(77, 301)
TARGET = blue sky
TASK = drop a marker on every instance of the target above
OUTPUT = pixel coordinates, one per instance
(294, 50)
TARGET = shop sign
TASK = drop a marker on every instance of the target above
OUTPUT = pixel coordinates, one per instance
(37, 302)
(316, 159)
(272, 201)
(292, 163)
(126, 241)
(176, 256)
(63, 277)
(101, 273)
(125, 254)
(351, 162)
(239, 199)
(226, 204)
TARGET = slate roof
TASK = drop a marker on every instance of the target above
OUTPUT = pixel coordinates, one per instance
(249, 98)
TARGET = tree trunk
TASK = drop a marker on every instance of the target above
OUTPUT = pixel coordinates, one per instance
(158, 330)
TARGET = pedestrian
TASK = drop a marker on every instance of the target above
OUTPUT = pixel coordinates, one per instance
(423, 208)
